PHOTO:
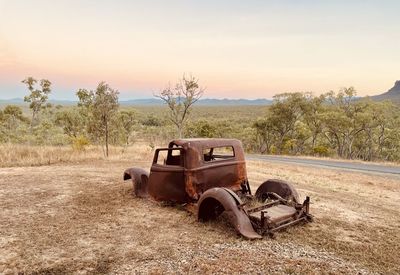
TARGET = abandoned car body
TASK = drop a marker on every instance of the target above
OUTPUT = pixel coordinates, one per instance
(210, 174)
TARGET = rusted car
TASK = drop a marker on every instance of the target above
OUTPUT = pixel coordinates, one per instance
(209, 176)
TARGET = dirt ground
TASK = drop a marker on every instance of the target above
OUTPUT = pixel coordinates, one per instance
(82, 218)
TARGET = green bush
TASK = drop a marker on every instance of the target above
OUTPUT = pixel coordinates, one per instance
(321, 151)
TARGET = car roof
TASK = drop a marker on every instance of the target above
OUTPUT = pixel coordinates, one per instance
(205, 142)
(194, 148)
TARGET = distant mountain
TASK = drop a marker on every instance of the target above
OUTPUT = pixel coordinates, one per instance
(144, 101)
(203, 102)
(157, 101)
(392, 94)
(226, 101)
(20, 101)
(12, 101)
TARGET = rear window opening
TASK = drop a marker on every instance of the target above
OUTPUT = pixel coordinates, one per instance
(218, 153)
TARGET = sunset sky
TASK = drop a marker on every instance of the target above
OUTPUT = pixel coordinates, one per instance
(237, 49)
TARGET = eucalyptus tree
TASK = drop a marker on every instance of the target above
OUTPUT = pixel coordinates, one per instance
(37, 98)
(127, 120)
(345, 120)
(100, 106)
(11, 118)
(71, 121)
(265, 135)
(283, 114)
(313, 110)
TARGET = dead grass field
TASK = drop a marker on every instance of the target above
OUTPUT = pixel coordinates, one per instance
(80, 217)
(16, 155)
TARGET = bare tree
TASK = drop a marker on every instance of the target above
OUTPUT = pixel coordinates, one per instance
(180, 100)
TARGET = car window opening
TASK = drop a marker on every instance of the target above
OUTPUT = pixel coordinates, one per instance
(218, 153)
(170, 157)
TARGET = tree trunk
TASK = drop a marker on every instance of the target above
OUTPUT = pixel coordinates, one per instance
(180, 131)
(106, 139)
(314, 140)
(280, 147)
(339, 145)
(350, 148)
(32, 119)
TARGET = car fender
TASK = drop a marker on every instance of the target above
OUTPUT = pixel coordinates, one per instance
(217, 200)
(140, 179)
(284, 189)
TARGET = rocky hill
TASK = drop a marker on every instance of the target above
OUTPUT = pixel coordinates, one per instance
(393, 94)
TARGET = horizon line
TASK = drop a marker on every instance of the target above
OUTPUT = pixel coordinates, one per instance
(144, 98)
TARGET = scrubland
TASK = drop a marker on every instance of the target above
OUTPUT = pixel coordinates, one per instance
(70, 212)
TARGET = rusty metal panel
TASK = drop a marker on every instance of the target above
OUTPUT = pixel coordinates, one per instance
(139, 178)
(167, 184)
(201, 175)
(221, 200)
(225, 174)
(194, 149)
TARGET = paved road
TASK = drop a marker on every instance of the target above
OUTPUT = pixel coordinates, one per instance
(342, 165)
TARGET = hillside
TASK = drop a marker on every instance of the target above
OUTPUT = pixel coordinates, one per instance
(392, 94)
(204, 102)
(156, 101)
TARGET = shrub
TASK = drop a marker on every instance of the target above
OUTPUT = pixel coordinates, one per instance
(321, 151)
(80, 142)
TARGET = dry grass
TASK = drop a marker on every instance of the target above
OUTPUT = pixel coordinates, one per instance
(80, 217)
(12, 155)
(357, 215)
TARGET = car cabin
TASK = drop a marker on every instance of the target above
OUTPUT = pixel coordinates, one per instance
(189, 167)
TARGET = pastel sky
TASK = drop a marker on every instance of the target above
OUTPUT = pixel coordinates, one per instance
(237, 48)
